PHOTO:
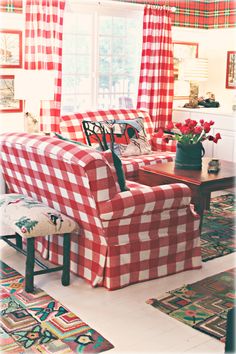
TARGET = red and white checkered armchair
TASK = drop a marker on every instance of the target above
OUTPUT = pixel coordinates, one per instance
(125, 237)
(71, 127)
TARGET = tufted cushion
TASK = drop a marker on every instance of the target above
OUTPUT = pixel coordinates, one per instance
(30, 218)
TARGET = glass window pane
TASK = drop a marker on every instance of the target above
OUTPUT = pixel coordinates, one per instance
(69, 64)
(104, 83)
(105, 64)
(104, 101)
(83, 44)
(118, 47)
(118, 65)
(83, 103)
(105, 25)
(104, 45)
(118, 26)
(68, 103)
(83, 64)
(84, 84)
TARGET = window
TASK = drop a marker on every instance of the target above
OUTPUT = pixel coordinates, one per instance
(101, 57)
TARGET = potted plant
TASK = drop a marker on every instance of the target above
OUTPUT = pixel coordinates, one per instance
(189, 137)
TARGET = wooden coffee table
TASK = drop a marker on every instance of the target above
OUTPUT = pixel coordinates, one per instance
(200, 182)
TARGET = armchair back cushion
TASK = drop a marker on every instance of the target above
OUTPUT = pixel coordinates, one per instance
(71, 125)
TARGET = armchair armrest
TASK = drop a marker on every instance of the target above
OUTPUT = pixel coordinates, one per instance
(141, 199)
(158, 144)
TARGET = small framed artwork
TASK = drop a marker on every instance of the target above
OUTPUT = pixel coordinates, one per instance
(182, 51)
(8, 103)
(10, 48)
(231, 70)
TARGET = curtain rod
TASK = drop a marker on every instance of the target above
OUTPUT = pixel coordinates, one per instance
(158, 6)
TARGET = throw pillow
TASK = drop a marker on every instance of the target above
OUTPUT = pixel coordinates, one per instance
(137, 147)
(120, 133)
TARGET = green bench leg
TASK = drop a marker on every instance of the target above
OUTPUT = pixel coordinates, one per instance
(65, 280)
(18, 241)
(29, 272)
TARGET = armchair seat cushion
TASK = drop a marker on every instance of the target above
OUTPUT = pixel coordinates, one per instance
(132, 164)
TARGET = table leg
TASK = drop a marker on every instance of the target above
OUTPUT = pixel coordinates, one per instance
(200, 204)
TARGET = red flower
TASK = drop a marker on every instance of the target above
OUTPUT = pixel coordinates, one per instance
(206, 127)
(178, 125)
(170, 126)
(192, 123)
(216, 138)
(197, 130)
(191, 132)
(185, 129)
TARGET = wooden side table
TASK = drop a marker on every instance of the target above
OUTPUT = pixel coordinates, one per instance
(200, 182)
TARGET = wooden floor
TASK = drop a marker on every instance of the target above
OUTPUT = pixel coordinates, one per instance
(123, 317)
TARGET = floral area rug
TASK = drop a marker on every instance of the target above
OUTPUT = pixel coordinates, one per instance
(218, 231)
(37, 323)
(202, 305)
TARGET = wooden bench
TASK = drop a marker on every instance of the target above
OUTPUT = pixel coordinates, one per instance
(29, 219)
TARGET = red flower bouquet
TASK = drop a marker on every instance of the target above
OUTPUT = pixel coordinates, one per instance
(190, 132)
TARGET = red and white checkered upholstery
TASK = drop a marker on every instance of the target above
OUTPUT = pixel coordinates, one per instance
(125, 237)
(71, 127)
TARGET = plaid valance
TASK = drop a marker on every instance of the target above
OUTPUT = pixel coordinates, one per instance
(14, 6)
(198, 14)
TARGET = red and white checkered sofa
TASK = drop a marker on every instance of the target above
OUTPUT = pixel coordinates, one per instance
(125, 237)
(71, 127)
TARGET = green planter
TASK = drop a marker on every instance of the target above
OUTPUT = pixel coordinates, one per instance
(189, 156)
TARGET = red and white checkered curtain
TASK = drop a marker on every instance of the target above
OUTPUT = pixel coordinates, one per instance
(43, 51)
(156, 82)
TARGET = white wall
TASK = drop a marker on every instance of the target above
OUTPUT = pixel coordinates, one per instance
(10, 122)
(213, 44)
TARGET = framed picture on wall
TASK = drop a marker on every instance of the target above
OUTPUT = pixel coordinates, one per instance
(10, 48)
(182, 51)
(231, 70)
(7, 102)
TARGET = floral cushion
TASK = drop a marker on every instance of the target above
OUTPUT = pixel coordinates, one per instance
(30, 218)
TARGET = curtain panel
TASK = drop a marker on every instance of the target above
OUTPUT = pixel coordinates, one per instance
(43, 51)
(156, 82)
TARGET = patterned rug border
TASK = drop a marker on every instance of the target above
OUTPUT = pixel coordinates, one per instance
(38, 323)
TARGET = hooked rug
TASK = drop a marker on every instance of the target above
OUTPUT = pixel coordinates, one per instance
(218, 229)
(37, 323)
(202, 305)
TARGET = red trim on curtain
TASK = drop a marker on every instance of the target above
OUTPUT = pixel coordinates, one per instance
(43, 51)
(156, 82)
